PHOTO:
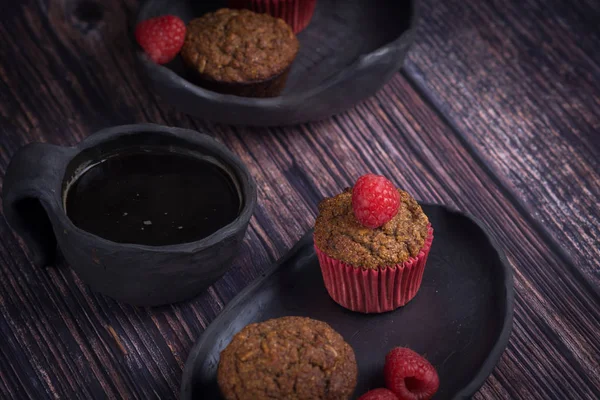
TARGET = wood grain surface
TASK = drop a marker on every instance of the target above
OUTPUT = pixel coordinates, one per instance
(510, 138)
(519, 81)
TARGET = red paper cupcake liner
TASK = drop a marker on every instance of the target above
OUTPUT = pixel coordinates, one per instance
(297, 13)
(374, 290)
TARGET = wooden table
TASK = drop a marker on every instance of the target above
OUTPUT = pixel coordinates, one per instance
(496, 112)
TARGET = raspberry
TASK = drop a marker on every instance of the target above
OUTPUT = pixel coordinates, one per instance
(161, 37)
(410, 376)
(378, 394)
(375, 200)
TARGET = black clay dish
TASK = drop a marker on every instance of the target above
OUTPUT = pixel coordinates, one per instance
(460, 319)
(91, 199)
(347, 52)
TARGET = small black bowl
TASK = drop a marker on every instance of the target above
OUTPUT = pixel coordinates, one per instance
(347, 52)
(33, 197)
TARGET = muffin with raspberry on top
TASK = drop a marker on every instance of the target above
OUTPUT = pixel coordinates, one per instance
(372, 242)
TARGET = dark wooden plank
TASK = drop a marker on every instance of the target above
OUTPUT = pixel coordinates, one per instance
(59, 340)
(520, 81)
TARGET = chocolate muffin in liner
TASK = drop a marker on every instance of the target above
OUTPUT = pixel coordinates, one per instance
(372, 270)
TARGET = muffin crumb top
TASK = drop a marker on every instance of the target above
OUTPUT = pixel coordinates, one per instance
(289, 357)
(239, 46)
(341, 236)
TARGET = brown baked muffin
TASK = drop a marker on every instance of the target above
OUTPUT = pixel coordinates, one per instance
(292, 358)
(240, 52)
(341, 236)
(378, 268)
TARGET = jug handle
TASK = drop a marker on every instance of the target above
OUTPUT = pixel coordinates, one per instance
(32, 178)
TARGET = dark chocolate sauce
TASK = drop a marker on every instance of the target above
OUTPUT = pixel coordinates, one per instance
(153, 198)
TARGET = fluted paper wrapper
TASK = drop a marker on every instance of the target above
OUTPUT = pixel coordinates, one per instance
(374, 290)
(297, 13)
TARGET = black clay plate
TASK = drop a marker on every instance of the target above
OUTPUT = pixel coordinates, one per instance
(460, 319)
(348, 51)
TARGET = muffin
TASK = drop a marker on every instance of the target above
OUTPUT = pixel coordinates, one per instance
(239, 52)
(297, 13)
(290, 358)
(372, 269)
